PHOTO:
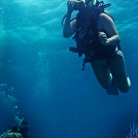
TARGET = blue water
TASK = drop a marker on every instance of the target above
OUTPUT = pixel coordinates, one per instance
(44, 81)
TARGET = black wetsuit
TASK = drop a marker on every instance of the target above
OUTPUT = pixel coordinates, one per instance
(89, 44)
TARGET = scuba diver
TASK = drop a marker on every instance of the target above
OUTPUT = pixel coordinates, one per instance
(97, 38)
(17, 131)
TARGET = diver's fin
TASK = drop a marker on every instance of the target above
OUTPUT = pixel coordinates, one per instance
(112, 90)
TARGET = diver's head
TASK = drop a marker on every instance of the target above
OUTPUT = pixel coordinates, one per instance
(78, 5)
(93, 2)
(24, 126)
(90, 4)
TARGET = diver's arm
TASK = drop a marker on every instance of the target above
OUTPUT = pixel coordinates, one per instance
(109, 26)
(69, 26)
(5, 133)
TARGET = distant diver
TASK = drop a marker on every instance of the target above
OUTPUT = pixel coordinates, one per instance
(17, 131)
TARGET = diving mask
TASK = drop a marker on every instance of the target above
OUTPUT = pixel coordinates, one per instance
(79, 5)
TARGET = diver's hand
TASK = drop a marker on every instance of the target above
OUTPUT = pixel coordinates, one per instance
(103, 38)
(70, 4)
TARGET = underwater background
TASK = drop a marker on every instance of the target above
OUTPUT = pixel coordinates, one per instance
(41, 81)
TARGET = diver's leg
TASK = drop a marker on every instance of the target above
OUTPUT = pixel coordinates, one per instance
(118, 70)
(102, 74)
